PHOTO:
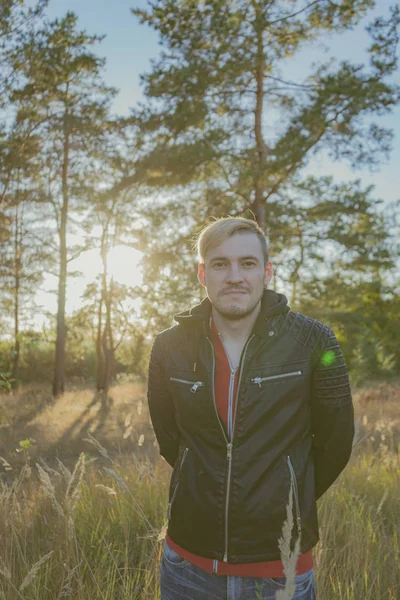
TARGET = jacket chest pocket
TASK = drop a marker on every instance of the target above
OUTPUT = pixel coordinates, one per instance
(193, 385)
(192, 400)
(275, 378)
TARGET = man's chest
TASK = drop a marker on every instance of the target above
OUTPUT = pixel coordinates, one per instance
(233, 352)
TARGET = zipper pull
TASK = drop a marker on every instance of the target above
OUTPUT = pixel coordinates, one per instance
(169, 511)
(229, 451)
(196, 386)
(257, 380)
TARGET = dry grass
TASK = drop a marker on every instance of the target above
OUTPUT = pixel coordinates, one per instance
(93, 529)
(63, 427)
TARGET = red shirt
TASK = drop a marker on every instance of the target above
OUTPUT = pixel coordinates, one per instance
(272, 568)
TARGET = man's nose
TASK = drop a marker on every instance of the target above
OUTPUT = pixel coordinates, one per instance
(234, 274)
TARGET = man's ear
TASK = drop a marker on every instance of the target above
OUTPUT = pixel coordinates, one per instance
(268, 273)
(201, 274)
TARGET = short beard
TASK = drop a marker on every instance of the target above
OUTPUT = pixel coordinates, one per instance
(235, 313)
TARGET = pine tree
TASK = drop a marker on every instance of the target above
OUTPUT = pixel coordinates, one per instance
(218, 81)
(227, 133)
(64, 94)
(23, 255)
(15, 21)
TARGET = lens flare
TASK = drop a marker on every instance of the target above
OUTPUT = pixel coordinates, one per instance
(328, 358)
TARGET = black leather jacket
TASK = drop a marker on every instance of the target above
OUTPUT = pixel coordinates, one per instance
(293, 426)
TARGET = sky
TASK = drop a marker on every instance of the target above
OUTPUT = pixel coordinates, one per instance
(129, 47)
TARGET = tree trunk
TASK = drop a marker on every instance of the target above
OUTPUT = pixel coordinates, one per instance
(101, 357)
(99, 347)
(105, 343)
(258, 205)
(294, 276)
(17, 280)
(108, 341)
(59, 367)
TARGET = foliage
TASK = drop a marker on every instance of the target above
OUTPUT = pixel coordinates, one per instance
(228, 133)
(365, 317)
(221, 130)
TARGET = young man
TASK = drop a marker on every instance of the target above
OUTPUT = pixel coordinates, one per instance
(248, 401)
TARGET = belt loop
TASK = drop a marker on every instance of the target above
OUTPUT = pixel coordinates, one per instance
(215, 566)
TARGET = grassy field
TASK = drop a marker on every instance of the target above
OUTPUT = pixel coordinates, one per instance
(83, 496)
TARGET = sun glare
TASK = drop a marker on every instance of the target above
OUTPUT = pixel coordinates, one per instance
(124, 265)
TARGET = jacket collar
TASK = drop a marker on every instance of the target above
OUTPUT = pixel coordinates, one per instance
(272, 305)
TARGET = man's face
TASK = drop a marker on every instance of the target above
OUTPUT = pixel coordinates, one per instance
(235, 276)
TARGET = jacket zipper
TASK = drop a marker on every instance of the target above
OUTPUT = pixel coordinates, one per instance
(258, 380)
(229, 450)
(230, 402)
(230, 394)
(296, 493)
(229, 444)
(195, 384)
(177, 485)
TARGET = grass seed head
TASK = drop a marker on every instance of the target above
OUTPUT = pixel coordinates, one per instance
(34, 571)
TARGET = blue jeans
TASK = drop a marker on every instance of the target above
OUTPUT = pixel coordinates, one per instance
(180, 580)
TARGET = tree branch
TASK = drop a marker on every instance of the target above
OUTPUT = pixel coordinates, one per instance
(295, 13)
(43, 243)
(291, 83)
(314, 142)
(235, 191)
(86, 247)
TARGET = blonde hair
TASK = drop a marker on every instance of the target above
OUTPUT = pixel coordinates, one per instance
(217, 232)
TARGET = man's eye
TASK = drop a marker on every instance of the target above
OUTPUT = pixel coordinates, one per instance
(249, 263)
(218, 264)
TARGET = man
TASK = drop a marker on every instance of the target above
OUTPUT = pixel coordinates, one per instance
(248, 401)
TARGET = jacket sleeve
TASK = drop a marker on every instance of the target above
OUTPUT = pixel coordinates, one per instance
(161, 407)
(332, 415)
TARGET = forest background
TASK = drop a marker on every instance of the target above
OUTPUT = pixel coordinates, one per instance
(286, 110)
(283, 110)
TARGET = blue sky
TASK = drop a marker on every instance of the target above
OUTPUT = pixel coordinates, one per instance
(129, 47)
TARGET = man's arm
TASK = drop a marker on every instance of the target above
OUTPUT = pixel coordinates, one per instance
(161, 407)
(332, 415)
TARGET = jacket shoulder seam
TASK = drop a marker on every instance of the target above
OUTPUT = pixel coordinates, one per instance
(310, 332)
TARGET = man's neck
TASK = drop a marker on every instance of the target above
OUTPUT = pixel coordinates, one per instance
(235, 330)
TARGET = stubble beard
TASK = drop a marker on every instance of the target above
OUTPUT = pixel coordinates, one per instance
(235, 312)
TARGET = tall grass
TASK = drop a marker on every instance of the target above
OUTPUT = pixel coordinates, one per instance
(95, 531)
